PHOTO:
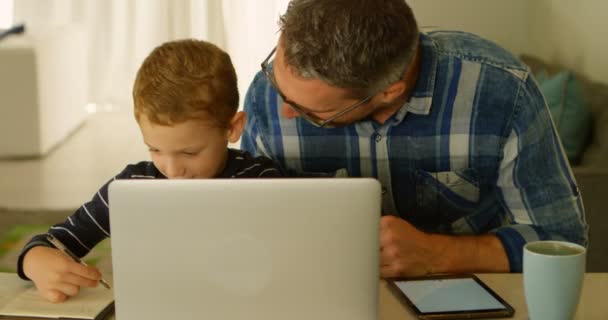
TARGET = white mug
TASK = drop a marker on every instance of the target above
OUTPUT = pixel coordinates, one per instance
(553, 278)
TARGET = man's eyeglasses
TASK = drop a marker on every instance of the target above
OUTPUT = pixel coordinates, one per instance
(320, 123)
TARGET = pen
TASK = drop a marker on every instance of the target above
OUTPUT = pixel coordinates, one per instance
(70, 254)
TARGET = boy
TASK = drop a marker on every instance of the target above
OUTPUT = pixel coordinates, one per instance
(186, 99)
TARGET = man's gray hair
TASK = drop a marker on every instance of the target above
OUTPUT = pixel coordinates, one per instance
(365, 45)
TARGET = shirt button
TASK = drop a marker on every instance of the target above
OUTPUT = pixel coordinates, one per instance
(378, 137)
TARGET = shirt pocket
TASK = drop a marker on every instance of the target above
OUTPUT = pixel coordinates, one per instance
(444, 197)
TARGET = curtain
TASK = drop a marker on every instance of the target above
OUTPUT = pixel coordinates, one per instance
(121, 33)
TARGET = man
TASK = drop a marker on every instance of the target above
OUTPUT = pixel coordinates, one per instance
(453, 126)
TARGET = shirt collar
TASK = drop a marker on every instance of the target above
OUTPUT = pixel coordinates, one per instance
(421, 98)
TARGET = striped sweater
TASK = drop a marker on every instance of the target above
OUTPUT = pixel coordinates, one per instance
(90, 224)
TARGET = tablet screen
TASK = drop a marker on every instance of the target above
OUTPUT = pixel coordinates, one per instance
(448, 295)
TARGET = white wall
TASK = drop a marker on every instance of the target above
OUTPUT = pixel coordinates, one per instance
(570, 33)
(504, 22)
(6, 14)
(574, 34)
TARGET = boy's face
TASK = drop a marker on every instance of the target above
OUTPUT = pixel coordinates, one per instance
(187, 150)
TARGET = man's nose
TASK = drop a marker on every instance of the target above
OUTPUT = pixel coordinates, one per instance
(289, 112)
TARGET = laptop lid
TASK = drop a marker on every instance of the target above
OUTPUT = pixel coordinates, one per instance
(245, 249)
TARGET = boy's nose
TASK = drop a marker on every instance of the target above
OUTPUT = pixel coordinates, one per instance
(289, 112)
(174, 171)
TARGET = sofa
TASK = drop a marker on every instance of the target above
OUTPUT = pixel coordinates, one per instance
(592, 177)
(591, 168)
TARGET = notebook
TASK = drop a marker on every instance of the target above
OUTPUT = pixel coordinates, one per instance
(246, 248)
(21, 300)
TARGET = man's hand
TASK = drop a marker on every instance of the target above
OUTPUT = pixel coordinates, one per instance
(407, 251)
(56, 275)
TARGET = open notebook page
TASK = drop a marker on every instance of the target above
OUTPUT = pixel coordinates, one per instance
(88, 304)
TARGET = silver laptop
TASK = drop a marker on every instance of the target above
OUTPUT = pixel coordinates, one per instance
(245, 249)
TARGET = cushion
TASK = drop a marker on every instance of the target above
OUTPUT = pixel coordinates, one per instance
(596, 98)
(564, 95)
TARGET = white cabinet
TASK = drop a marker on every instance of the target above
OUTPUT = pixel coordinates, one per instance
(43, 87)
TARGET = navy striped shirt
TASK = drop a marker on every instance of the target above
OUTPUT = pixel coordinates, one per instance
(473, 151)
(90, 224)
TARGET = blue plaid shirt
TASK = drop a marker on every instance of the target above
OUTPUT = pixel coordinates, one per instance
(473, 151)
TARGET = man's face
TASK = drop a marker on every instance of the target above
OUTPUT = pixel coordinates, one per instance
(317, 98)
(187, 150)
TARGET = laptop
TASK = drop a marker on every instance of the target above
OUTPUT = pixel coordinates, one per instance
(270, 249)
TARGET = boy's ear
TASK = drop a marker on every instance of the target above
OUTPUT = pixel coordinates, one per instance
(237, 124)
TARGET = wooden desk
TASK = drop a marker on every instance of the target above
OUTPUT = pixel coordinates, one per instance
(593, 304)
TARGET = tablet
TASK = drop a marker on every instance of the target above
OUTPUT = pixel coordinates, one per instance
(450, 297)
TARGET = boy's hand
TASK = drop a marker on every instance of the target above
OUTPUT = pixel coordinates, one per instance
(56, 275)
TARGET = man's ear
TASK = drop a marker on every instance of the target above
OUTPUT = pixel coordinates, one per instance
(393, 92)
(237, 124)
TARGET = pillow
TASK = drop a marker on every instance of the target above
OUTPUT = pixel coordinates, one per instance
(564, 96)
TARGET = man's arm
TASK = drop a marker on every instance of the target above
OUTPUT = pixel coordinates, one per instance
(407, 251)
(536, 188)
(535, 184)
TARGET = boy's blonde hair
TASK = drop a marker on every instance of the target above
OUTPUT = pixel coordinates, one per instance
(184, 80)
